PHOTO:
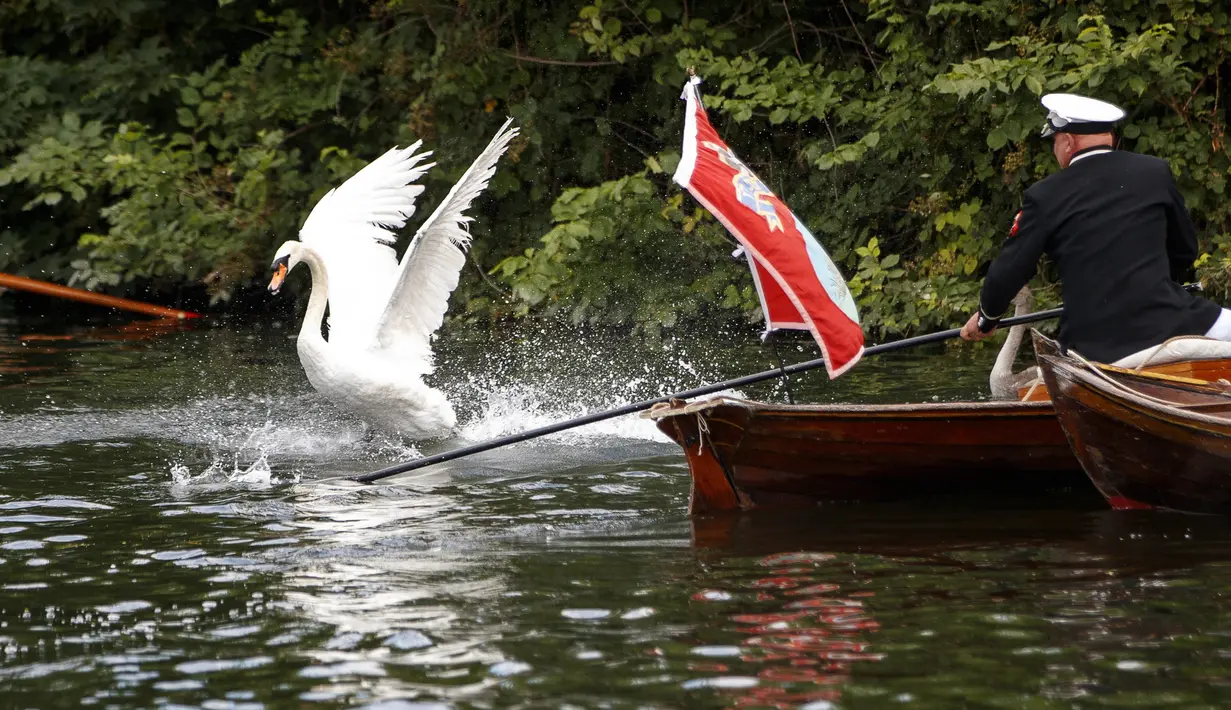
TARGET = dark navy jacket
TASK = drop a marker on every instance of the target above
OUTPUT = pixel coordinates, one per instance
(1116, 227)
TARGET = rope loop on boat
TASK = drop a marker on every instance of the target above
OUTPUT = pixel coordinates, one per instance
(703, 430)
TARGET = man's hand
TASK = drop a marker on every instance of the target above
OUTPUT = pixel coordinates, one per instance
(971, 331)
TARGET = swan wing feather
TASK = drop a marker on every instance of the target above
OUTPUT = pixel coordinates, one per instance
(433, 262)
(352, 229)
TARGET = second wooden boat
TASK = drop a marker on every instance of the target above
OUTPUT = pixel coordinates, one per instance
(1146, 440)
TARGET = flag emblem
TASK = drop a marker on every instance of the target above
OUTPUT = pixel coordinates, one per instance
(752, 193)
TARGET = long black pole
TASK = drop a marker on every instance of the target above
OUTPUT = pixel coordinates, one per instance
(689, 394)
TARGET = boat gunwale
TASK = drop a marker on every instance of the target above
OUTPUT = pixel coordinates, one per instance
(1001, 407)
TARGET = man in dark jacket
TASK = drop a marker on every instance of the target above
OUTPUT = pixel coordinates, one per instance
(1116, 227)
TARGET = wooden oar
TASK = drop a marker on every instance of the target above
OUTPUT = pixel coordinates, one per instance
(21, 283)
(689, 394)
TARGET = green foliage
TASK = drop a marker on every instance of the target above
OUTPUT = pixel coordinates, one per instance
(146, 141)
(615, 255)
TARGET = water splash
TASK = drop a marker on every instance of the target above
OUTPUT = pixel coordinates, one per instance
(298, 432)
(559, 373)
(515, 408)
(258, 474)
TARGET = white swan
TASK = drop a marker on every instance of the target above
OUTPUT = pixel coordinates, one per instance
(382, 313)
(1003, 382)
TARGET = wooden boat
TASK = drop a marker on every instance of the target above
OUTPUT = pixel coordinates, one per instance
(1146, 440)
(743, 454)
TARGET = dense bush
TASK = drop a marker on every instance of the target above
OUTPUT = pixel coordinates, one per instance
(162, 143)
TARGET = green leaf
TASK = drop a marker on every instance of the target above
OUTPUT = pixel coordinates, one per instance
(190, 96)
(997, 139)
(1034, 85)
(653, 14)
(186, 117)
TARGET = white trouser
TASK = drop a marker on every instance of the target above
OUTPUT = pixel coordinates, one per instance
(1221, 330)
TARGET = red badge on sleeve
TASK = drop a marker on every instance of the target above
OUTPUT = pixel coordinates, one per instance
(1016, 221)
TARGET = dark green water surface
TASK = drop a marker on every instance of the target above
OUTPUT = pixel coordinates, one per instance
(176, 531)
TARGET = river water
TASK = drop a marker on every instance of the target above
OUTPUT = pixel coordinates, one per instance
(176, 530)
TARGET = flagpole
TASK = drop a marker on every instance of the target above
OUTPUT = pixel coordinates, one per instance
(688, 394)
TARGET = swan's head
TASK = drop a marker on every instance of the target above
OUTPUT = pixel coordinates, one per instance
(1023, 300)
(284, 260)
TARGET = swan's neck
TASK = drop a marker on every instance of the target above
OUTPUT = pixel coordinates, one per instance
(310, 330)
(1008, 352)
(1001, 379)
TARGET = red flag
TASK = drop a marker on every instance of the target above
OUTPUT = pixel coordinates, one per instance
(799, 285)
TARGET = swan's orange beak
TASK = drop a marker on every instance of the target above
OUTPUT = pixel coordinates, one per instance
(275, 284)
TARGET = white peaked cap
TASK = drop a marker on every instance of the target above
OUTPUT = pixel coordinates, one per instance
(1071, 113)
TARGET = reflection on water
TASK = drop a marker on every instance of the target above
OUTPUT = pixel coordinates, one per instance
(176, 529)
(803, 640)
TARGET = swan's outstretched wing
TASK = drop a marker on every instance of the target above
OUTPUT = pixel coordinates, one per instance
(430, 268)
(351, 230)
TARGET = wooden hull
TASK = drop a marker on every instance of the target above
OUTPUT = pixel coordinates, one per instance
(1145, 442)
(746, 455)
